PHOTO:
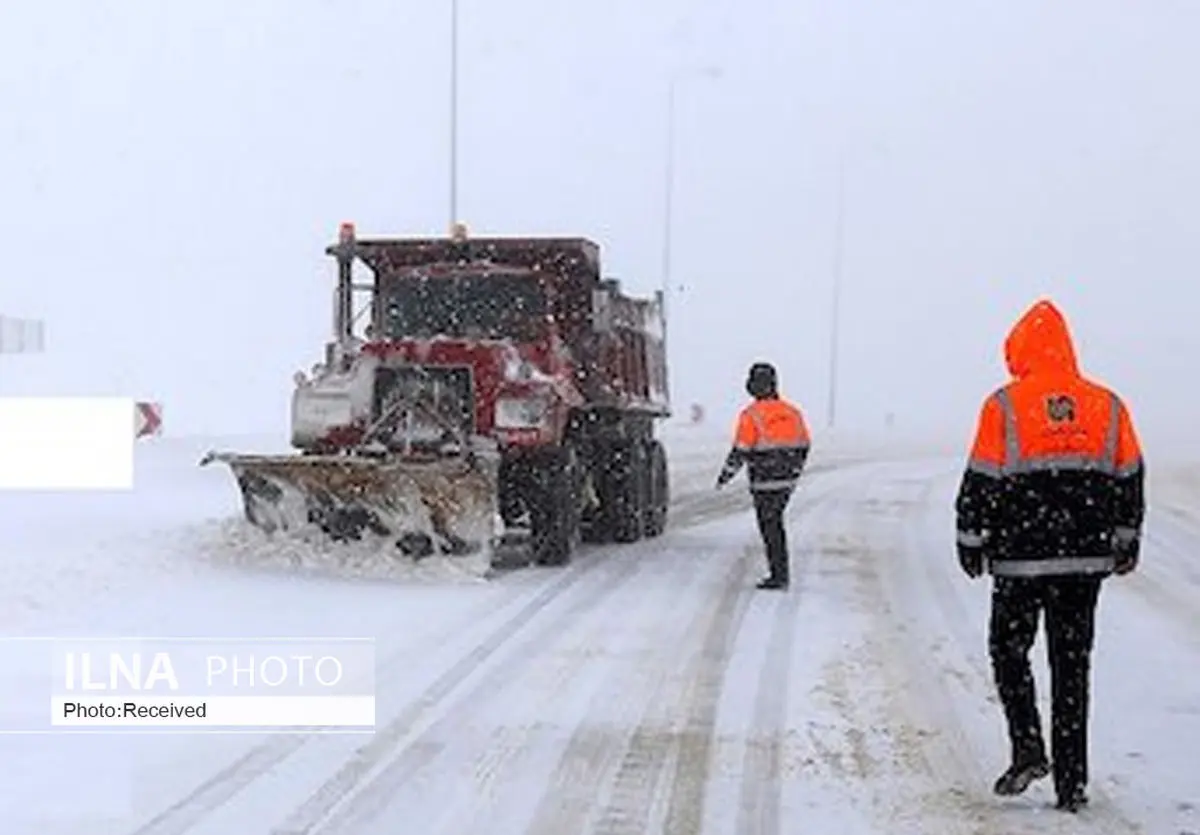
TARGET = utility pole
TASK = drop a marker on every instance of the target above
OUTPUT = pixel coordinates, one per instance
(709, 73)
(668, 189)
(453, 113)
(835, 311)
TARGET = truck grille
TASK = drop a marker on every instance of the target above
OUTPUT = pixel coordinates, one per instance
(444, 390)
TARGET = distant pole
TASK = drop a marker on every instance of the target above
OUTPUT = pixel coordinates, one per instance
(705, 72)
(453, 113)
(668, 193)
(835, 311)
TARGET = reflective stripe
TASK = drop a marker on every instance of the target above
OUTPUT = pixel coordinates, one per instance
(756, 419)
(1082, 463)
(1114, 433)
(971, 539)
(768, 445)
(977, 465)
(774, 484)
(1048, 567)
(1125, 536)
(1130, 469)
(1012, 446)
(1015, 462)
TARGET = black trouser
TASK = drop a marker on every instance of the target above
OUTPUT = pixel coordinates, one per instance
(1070, 606)
(769, 506)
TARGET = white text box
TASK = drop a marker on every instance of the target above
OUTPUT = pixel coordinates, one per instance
(218, 711)
(66, 443)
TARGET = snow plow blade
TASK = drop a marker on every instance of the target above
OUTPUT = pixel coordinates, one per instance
(442, 506)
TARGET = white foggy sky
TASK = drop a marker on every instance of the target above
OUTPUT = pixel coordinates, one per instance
(170, 174)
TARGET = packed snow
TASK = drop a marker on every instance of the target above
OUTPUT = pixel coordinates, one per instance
(643, 688)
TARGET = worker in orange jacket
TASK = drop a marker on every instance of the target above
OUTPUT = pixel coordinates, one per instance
(1051, 503)
(772, 440)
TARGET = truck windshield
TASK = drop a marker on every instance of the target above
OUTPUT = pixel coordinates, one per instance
(464, 306)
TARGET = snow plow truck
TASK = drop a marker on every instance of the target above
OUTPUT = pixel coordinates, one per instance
(499, 398)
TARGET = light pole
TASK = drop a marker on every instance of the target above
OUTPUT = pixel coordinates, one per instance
(453, 113)
(839, 236)
(706, 72)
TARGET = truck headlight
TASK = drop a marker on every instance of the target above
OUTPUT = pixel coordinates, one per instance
(316, 412)
(324, 410)
(521, 412)
(517, 370)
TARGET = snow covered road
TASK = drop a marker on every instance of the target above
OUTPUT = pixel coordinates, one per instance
(650, 688)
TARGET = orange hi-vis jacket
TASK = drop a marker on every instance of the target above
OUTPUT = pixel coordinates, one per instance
(773, 441)
(1054, 485)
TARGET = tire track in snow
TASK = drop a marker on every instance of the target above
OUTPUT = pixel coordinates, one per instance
(694, 747)
(760, 795)
(522, 721)
(1182, 532)
(1169, 590)
(230, 781)
(958, 756)
(930, 741)
(868, 751)
(224, 785)
(889, 704)
(917, 535)
(635, 787)
(362, 787)
(596, 748)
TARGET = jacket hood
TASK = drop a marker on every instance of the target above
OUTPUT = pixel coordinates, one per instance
(1040, 342)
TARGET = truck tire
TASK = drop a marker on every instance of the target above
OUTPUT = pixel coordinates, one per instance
(659, 493)
(512, 490)
(556, 516)
(627, 500)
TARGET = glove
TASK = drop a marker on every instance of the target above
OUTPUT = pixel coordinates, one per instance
(970, 558)
(725, 476)
(1127, 556)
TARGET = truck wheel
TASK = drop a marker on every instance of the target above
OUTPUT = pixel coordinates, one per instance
(659, 490)
(556, 513)
(628, 491)
(510, 504)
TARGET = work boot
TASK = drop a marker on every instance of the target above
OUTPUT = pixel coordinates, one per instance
(772, 583)
(1020, 774)
(1072, 801)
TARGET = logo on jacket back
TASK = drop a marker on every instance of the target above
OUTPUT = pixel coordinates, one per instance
(1060, 408)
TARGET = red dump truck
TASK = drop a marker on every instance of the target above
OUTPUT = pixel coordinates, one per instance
(502, 394)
